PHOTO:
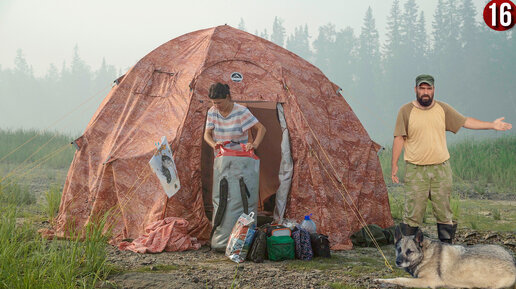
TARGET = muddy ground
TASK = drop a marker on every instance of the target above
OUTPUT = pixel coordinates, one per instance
(206, 269)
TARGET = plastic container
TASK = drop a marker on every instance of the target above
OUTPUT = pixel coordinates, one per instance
(309, 225)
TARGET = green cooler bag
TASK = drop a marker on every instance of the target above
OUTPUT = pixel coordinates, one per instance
(280, 248)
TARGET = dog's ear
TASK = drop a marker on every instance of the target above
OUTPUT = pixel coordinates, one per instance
(397, 234)
(419, 237)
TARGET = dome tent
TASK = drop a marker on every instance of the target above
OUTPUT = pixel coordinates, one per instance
(311, 131)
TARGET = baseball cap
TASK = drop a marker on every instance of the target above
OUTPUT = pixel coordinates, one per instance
(425, 78)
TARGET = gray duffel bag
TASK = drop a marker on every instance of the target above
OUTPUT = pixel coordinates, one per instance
(235, 191)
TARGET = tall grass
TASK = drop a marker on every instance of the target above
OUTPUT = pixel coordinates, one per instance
(491, 161)
(12, 139)
(478, 165)
(52, 201)
(16, 195)
(28, 261)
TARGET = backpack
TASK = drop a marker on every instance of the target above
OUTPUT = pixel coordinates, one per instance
(382, 237)
(303, 246)
(280, 248)
(258, 250)
(320, 245)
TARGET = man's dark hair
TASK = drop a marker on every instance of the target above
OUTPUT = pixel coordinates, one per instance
(218, 91)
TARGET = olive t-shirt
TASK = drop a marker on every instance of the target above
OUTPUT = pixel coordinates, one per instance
(425, 131)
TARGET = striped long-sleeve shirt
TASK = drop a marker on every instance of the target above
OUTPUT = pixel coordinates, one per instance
(234, 127)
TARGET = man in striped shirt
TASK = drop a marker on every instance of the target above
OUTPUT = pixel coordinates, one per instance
(229, 121)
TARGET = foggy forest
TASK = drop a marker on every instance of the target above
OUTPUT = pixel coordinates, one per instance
(473, 66)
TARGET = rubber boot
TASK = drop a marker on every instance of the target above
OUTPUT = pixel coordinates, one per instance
(446, 232)
(407, 230)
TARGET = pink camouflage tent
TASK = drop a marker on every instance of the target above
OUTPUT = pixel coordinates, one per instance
(315, 152)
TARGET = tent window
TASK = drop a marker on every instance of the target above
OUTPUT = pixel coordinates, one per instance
(159, 84)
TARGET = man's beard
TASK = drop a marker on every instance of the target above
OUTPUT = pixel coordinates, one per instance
(425, 102)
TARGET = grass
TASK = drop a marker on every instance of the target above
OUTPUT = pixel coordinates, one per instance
(479, 167)
(496, 214)
(334, 262)
(477, 214)
(28, 261)
(17, 195)
(40, 144)
(53, 199)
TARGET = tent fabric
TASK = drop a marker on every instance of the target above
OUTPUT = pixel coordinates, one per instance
(165, 94)
(285, 170)
(169, 234)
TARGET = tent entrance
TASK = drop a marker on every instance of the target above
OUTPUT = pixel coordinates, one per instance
(269, 153)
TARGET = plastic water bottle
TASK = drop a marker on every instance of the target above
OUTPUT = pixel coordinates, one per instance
(308, 225)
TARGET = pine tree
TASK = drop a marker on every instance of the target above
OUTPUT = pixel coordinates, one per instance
(241, 25)
(299, 42)
(468, 26)
(369, 51)
(264, 34)
(52, 75)
(393, 42)
(21, 66)
(422, 44)
(368, 70)
(439, 32)
(469, 49)
(80, 77)
(105, 75)
(393, 56)
(409, 31)
(343, 58)
(323, 45)
(278, 32)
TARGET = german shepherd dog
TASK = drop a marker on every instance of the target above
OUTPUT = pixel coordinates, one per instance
(435, 264)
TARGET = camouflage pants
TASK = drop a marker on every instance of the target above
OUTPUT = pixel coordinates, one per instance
(432, 182)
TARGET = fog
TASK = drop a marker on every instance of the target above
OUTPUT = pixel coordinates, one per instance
(56, 54)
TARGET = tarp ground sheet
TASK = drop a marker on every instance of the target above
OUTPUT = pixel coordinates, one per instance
(165, 94)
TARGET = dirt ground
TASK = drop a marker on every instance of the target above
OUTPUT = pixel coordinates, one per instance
(203, 268)
(207, 269)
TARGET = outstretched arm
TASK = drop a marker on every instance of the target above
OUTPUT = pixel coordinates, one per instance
(498, 124)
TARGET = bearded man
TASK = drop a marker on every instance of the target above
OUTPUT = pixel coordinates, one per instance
(420, 129)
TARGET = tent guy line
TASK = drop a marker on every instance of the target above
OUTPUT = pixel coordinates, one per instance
(57, 121)
(23, 163)
(353, 208)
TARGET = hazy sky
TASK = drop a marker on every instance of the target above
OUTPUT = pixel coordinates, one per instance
(125, 31)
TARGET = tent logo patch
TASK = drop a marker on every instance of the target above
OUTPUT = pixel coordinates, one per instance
(237, 77)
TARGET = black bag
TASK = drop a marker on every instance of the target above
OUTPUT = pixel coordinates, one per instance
(258, 250)
(320, 245)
